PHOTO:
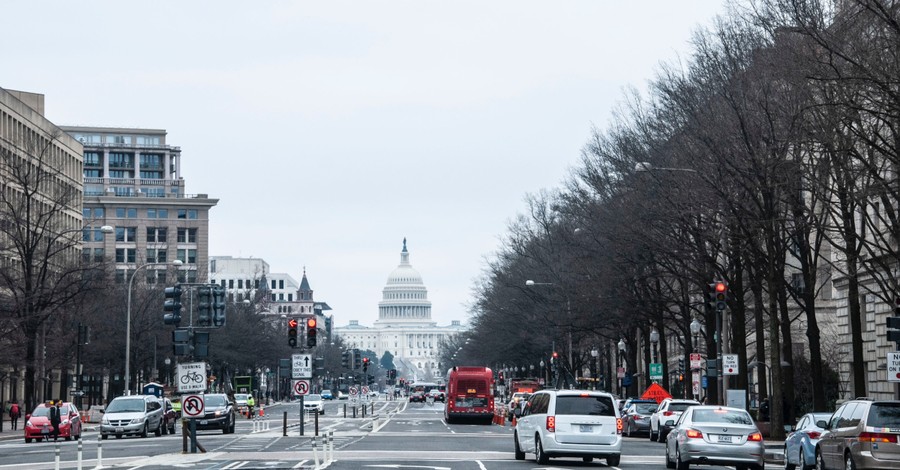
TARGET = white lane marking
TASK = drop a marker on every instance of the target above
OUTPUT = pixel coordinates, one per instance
(480, 465)
(300, 464)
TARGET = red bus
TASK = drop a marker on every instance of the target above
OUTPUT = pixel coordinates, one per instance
(470, 394)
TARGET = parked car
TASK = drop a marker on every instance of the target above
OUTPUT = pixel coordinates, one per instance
(313, 403)
(569, 423)
(240, 401)
(714, 435)
(637, 417)
(862, 433)
(417, 397)
(37, 423)
(170, 417)
(218, 413)
(800, 444)
(132, 415)
(515, 402)
(436, 394)
(669, 410)
(326, 395)
(342, 396)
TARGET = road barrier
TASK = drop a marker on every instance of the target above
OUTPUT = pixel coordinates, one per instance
(80, 449)
(99, 451)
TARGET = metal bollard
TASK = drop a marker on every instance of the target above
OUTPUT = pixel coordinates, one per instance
(316, 412)
(56, 459)
(345, 410)
(99, 451)
(284, 425)
(315, 453)
(80, 448)
(331, 444)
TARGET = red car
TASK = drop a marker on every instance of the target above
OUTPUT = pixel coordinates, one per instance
(37, 424)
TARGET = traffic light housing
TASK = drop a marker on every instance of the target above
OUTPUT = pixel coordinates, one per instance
(345, 359)
(292, 332)
(718, 295)
(311, 332)
(218, 305)
(355, 359)
(172, 305)
(204, 306)
(365, 364)
(893, 324)
(681, 364)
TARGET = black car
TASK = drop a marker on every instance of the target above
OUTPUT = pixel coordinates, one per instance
(218, 413)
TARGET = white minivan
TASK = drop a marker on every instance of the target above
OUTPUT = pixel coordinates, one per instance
(569, 423)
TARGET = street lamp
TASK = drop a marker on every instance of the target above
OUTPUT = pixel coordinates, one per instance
(596, 355)
(168, 375)
(621, 362)
(654, 341)
(176, 262)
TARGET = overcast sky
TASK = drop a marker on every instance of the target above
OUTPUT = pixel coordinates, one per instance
(331, 130)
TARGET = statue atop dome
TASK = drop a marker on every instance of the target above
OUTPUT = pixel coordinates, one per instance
(404, 244)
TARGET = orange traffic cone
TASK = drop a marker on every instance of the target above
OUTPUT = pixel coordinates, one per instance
(262, 411)
(513, 424)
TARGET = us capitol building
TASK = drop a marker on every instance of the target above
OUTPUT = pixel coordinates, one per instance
(404, 326)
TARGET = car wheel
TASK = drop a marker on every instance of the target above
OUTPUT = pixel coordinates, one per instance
(669, 462)
(848, 462)
(119, 436)
(787, 459)
(159, 429)
(820, 461)
(612, 460)
(104, 436)
(144, 431)
(28, 440)
(520, 454)
(231, 429)
(539, 456)
(652, 434)
(801, 461)
(678, 463)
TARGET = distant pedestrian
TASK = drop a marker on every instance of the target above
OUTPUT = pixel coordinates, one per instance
(55, 418)
(14, 415)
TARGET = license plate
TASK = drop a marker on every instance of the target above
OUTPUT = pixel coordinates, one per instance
(120, 430)
(45, 430)
(204, 422)
(723, 438)
(586, 427)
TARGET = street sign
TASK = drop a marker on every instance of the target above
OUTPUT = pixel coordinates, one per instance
(729, 364)
(191, 377)
(620, 372)
(353, 391)
(365, 390)
(192, 405)
(893, 366)
(695, 383)
(301, 387)
(656, 372)
(301, 366)
(696, 361)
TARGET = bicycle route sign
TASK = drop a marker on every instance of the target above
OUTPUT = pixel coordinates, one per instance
(301, 366)
(191, 377)
(192, 405)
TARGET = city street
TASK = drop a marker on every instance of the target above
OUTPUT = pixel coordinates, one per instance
(407, 435)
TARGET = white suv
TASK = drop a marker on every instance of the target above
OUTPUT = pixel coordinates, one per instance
(669, 409)
(570, 423)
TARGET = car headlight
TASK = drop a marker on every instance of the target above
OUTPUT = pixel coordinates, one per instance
(28, 424)
(219, 413)
(137, 421)
(64, 422)
(104, 421)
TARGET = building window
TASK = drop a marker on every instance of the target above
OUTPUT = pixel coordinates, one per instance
(126, 234)
(273, 297)
(274, 284)
(122, 213)
(240, 283)
(155, 255)
(231, 284)
(187, 256)
(187, 235)
(125, 255)
(281, 283)
(156, 234)
(187, 213)
(290, 297)
(280, 296)
(91, 158)
(120, 160)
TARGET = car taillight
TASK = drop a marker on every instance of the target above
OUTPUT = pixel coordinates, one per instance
(755, 437)
(667, 413)
(450, 403)
(877, 437)
(619, 426)
(694, 434)
(551, 423)
(814, 434)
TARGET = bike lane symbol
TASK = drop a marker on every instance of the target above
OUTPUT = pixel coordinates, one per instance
(192, 405)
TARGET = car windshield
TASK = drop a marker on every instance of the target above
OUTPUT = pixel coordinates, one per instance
(645, 408)
(721, 416)
(313, 397)
(584, 405)
(213, 400)
(240, 397)
(884, 415)
(126, 405)
(41, 411)
(680, 406)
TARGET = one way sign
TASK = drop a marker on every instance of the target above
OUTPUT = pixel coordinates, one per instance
(302, 365)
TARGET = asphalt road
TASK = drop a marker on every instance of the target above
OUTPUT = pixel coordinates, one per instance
(401, 435)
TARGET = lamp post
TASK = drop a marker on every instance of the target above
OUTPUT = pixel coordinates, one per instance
(621, 363)
(543, 371)
(168, 363)
(176, 262)
(531, 283)
(596, 355)
(654, 353)
(695, 331)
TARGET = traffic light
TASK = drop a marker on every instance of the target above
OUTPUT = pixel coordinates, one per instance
(681, 364)
(355, 359)
(370, 379)
(555, 357)
(500, 378)
(292, 332)
(218, 305)
(345, 359)
(365, 364)
(311, 332)
(718, 295)
(172, 305)
(893, 324)
(204, 306)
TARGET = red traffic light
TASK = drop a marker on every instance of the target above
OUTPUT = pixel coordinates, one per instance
(721, 287)
(310, 322)
(555, 354)
(366, 360)
(292, 323)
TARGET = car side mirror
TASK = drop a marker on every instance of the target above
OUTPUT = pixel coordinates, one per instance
(27, 417)
(822, 424)
(670, 422)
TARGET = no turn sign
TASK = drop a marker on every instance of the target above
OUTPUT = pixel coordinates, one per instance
(192, 405)
(729, 364)
(301, 387)
(893, 366)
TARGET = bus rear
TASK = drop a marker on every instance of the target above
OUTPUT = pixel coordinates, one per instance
(470, 394)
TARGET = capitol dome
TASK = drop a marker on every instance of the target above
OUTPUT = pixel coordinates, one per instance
(404, 297)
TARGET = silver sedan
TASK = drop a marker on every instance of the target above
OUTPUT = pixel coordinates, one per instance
(714, 435)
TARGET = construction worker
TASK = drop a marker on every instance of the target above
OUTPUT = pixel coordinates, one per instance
(250, 404)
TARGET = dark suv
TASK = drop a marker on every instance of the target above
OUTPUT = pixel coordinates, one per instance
(862, 433)
(218, 413)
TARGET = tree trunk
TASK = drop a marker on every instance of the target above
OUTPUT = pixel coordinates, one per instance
(786, 356)
(760, 331)
(738, 318)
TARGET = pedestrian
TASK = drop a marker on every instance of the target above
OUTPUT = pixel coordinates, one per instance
(250, 404)
(14, 415)
(55, 418)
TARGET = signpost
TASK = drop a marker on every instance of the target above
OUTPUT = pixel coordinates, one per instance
(729, 364)
(191, 377)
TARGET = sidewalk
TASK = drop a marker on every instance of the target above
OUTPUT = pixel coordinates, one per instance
(8, 432)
